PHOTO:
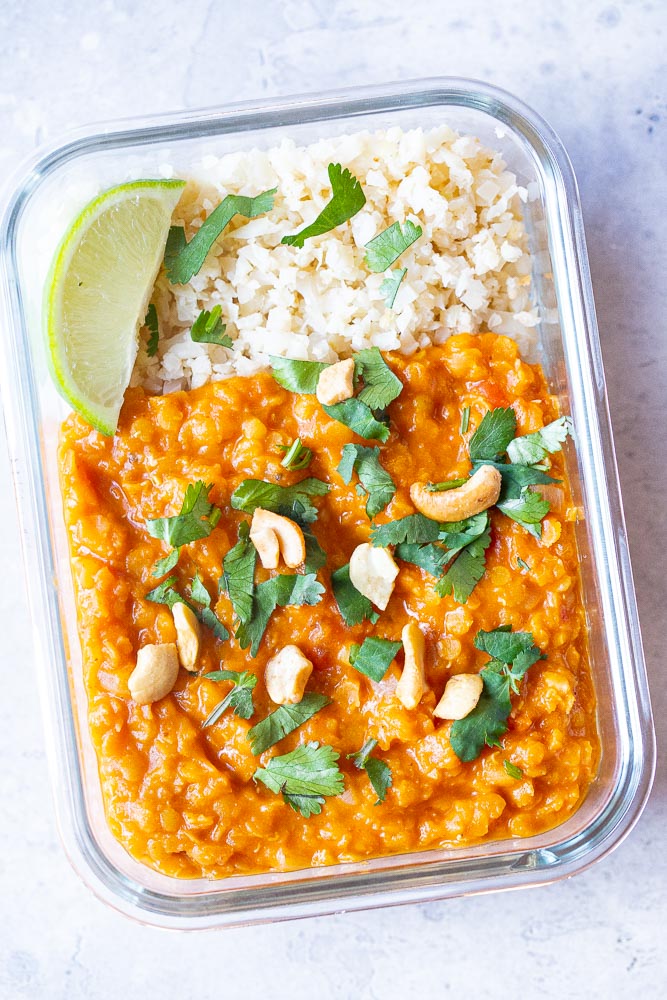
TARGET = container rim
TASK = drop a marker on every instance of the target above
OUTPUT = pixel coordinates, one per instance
(521, 864)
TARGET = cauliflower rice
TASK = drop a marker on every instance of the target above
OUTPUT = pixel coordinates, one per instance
(469, 271)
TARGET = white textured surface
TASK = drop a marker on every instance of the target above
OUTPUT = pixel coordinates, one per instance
(596, 70)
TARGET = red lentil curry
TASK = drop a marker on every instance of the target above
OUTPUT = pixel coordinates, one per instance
(180, 795)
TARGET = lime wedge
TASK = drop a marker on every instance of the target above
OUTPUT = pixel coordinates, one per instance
(98, 291)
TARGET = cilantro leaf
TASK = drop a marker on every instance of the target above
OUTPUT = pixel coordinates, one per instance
(465, 420)
(198, 591)
(353, 606)
(467, 569)
(347, 199)
(381, 386)
(167, 563)
(379, 773)
(154, 331)
(527, 510)
(304, 777)
(290, 501)
(356, 415)
(316, 557)
(449, 484)
(516, 477)
(391, 284)
(532, 448)
(493, 435)
(385, 248)
(279, 591)
(414, 529)
(208, 328)
(297, 376)
(505, 645)
(513, 770)
(297, 456)
(457, 534)
(182, 259)
(432, 558)
(238, 574)
(239, 698)
(376, 481)
(513, 653)
(284, 720)
(166, 593)
(374, 656)
(196, 519)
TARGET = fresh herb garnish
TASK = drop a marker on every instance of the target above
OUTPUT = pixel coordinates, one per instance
(347, 199)
(522, 565)
(467, 569)
(290, 501)
(376, 481)
(493, 435)
(465, 420)
(183, 259)
(316, 557)
(284, 721)
(533, 448)
(527, 510)
(391, 284)
(414, 529)
(353, 606)
(167, 563)
(304, 777)
(154, 331)
(385, 248)
(513, 770)
(279, 591)
(238, 574)
(429, 557)
(297, 456)
(208, 328)
(297, 376)
(378, 772)
(197, 518)
(448, 484)
(512, 654)
(166, 593)
(239, 698)
(374, 656)
(359, 418)
(381, 386)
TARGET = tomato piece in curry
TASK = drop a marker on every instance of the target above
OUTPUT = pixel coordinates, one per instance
(181, 798)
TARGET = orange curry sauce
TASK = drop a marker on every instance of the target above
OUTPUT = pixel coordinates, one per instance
(181, 798)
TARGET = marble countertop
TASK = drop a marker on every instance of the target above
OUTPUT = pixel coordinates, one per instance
(596, 72)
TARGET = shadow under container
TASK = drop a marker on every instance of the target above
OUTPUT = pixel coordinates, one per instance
(46, 197)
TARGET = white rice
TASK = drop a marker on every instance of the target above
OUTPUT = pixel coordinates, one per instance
(469, 271)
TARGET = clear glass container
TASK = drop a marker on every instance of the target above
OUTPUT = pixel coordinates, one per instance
(46, 196)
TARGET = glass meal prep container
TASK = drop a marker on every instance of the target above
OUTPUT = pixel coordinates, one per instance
(47, 196)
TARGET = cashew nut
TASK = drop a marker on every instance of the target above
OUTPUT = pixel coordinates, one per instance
(477, 494)
(336, 383)
(286, 675)
(187, 635)
(274, 535)
(372, 572)
(155, 673)
(461, 694)
(410, 687)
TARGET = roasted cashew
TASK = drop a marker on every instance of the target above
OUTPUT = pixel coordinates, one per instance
(274, 535)
(286, 675)
(336, 383)
(187, 635)
(461, 694)
(410, 687)
(477, 494)
(373, 572)
(155, 673)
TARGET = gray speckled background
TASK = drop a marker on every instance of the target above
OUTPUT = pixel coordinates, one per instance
(596, 71)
